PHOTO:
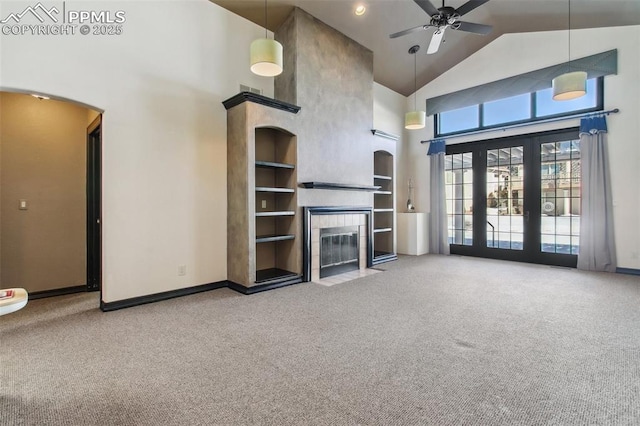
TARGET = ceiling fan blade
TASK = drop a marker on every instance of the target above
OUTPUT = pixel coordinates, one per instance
(470, 27)
(427, 6)
(469, 6)
(434, 45)
(409, 31)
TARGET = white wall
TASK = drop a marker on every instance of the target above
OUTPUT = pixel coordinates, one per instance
(160, 85)
(514, 54)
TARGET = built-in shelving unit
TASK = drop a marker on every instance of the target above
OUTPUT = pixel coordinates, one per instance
(276, 220)
(383, 208)
(264, 242)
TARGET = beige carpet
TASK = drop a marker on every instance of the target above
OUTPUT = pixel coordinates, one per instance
(432, 340)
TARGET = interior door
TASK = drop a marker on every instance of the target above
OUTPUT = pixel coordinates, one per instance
(94, 204)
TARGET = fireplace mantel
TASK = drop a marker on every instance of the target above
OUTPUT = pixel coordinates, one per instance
(339, 186)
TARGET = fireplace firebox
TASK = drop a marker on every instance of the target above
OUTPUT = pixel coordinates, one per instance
(339, 250)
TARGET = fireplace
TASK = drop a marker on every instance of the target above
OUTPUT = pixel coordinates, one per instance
(336, 240)
(339, 250)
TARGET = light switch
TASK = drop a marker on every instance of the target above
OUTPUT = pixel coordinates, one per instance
(23, 205)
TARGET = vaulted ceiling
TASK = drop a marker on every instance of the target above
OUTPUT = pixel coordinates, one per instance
(393, 65)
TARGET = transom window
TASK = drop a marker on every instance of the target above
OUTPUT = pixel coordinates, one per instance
(528, 107)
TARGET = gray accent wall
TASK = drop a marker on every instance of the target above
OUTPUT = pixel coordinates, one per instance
(331, 77)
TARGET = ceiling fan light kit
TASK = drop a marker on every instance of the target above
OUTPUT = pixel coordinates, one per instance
(570, 85)
(414, 120)
(266, 54)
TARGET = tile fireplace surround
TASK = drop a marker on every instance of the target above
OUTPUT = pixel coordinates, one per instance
(316, 218)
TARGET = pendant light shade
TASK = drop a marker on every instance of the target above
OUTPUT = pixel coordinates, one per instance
(266, 57)
(415, 119)
(266, 54)
(569, 86)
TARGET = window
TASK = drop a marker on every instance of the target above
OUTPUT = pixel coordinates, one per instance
(527, 107)
(459, 190)
(545, 106)
(515, 108)
(459, 119)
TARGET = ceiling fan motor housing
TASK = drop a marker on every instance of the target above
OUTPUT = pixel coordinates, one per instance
(447, 16)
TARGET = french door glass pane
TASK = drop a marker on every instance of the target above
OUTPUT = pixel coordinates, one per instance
(505, 195)
(459, 191)
(560, 197)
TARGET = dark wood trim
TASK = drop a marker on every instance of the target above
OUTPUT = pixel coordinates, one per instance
(340, 186)
(384, 258)
(57, 292)
(93, 189)
(385, 135)
(306, 227)
(261, 100)
(628, 271)
(263, 287)
(157, 297)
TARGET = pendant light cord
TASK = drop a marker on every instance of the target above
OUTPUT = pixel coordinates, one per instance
(415, 85)
(569, 35)
(265, 19)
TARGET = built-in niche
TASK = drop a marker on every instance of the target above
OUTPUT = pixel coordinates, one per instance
(276, 219)
(383, 207)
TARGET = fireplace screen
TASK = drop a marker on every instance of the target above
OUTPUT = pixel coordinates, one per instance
(339, 251)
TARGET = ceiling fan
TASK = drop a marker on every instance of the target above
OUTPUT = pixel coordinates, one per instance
(446, 17)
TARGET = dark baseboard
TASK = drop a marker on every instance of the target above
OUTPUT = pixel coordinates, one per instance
(264, 287)
(57, 292)
(628, 271)
(157, 297)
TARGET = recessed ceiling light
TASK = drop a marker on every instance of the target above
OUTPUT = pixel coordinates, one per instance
(39, 96)
(360, 9)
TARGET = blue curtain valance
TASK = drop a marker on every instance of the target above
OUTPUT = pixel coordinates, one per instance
(437, 146)
(593, 125)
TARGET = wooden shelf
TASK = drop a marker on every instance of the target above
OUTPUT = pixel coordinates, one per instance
(273, 238)
(383, 193)
(382, 177)
(273, 214)
(375, 231)
(383, 210)
(339, 186)
(274, 274)
(269, 189)
(274, 165)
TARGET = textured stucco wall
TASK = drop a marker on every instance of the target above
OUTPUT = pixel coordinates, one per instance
(333, 83)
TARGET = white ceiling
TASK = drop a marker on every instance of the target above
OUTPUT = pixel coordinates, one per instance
(393, 65)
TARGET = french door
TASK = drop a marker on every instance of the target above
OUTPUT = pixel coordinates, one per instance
(516, 198)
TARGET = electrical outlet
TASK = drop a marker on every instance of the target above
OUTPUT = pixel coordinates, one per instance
(182, 270)
(264, 204)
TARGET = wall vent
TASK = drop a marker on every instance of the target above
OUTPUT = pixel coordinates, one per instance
(245, 88)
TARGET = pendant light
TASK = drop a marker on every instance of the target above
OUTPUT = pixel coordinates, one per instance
(266, 54)
(415, 119)
(570, 85)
